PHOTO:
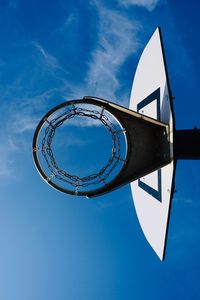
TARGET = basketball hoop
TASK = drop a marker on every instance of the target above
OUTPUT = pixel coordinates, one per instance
(45, 159)
(126, 162)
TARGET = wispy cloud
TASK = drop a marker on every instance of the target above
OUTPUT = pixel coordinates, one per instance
(70, 19)
(50, 60)
(148, 4)
(117, 39)
(5, 164)
(6, 161)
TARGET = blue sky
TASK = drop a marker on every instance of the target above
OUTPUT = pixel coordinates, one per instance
(55, 246)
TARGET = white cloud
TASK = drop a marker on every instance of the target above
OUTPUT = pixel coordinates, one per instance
(24, 123)
(6, 162)
(41, 50)
(148, 4)
(117, 39)
(50, 60)
(70, 19)
(5, 165)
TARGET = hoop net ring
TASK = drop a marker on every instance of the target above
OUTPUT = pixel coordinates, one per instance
(44, 157)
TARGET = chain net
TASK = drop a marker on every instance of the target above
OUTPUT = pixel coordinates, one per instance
(75, 181)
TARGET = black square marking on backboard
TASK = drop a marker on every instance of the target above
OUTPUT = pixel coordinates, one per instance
(155, 96)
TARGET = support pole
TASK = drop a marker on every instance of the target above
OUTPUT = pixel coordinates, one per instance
(187, 144)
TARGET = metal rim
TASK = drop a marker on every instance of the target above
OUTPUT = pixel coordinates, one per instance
(85, 100)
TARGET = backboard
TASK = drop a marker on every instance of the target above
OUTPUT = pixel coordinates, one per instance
(151, 96)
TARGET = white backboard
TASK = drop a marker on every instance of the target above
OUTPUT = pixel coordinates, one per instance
(150, 96)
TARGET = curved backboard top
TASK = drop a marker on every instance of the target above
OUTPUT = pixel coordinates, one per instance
(150, 96)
